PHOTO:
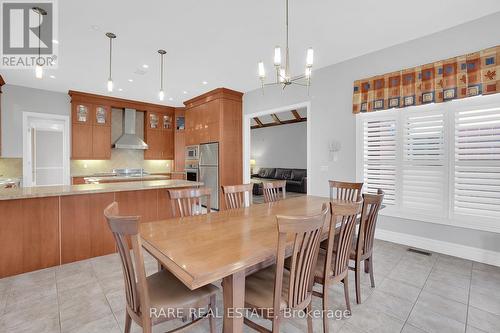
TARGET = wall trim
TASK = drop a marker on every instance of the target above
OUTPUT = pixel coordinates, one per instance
(452, 249)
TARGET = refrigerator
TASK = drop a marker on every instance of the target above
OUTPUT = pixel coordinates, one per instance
(209, 170)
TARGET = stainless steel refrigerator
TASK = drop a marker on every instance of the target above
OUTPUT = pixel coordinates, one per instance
(209, 170)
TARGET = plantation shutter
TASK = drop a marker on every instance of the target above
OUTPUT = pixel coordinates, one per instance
(477, 163)
(424, 162)
(379, 151)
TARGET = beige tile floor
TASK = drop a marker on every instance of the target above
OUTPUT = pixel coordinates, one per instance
(414, 294)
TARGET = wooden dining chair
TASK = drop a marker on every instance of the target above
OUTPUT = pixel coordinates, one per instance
(158, 293)
(188, 202)
(363, 246)
(235, 197)
(274, 190)
(272, 291)
(345, 190)
(332, 265)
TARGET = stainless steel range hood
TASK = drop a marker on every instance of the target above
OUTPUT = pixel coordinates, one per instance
(129, 140)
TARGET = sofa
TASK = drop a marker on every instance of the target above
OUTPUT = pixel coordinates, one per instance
(296, 179)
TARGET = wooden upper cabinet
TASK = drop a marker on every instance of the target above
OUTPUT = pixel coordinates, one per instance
(158, 134)
(81, 142)
(91, 131)
(101, 142)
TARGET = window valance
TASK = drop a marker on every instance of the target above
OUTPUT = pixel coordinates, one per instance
(459, 77)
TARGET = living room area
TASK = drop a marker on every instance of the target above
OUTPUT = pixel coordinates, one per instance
(278, 152)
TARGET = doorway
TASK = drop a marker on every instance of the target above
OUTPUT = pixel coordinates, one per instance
(46, 150)
(276, 146)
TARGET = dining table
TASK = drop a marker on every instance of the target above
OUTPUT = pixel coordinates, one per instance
(225, 245)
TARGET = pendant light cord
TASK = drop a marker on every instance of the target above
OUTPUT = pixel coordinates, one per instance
(287, 57)
(39, 37)
(161, 72)
(110, 52)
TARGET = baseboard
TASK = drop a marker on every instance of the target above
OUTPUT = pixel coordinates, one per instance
(452, 249)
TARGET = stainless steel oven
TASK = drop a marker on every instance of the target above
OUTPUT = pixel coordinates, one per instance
(192, 174)
(192, 152)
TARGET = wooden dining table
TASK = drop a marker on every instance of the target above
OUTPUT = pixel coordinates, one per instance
(227, 245)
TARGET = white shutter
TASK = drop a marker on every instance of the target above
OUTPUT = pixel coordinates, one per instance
(477, 163)
(424, 161)
(379, 156)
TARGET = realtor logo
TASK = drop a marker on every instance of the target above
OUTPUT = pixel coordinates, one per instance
(28, 34)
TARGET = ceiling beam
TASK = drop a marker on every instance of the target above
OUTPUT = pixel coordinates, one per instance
(276, 119)
(259, 123)
(296, 114)
(282, 122)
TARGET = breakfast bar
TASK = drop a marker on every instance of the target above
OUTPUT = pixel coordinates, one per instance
(47, 226)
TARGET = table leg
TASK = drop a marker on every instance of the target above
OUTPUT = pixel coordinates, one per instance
(234, 302)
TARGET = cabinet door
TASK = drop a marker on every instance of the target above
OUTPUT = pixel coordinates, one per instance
(153, 121)
(81, 141)
(101, 115)
(101, 142)
(153, 139)
(81, 113)
(168, 145)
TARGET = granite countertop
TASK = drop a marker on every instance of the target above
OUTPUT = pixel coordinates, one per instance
(125, 178)
(54, 191)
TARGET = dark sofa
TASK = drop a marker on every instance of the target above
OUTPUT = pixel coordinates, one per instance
(296, 179)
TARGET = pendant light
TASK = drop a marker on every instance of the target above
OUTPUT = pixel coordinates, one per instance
(38, 66)
(111, 36)
(161, 93)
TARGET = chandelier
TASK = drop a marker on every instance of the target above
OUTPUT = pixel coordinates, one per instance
(283, 76)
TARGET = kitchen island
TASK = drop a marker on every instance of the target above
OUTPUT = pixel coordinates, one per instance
(47, 226)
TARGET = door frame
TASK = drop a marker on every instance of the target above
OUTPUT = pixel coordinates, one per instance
(66, 141)
(247, 141)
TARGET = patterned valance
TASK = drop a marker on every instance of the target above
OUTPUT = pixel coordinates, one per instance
(459, 77)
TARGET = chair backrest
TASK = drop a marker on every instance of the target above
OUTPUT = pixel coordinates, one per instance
(274, 190)
(188, 202)
(345, 190)
(343, 222)
(123, 228)
(234, 195)
(371, 207)
(305, 231)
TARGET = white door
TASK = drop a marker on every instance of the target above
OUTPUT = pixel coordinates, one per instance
(45, 150)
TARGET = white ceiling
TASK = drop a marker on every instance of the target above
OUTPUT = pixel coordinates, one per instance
(221, 41)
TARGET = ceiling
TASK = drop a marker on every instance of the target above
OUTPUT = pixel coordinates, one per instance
(280, 118)
(221, 41)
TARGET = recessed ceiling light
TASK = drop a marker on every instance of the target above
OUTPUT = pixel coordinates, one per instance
(52, 76)
(130, 80)
(120, 89)
(55, 41)
(95, 27)
(205, 82)
(170, 99)
(145, 66)
(185, 92)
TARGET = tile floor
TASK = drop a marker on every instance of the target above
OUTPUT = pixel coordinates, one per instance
(414, 294)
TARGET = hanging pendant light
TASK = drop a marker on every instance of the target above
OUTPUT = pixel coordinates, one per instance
(111, 36)
(38, 66)
(161, 93)
(282, 66)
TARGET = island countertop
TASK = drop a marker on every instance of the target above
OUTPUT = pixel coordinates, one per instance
(54, 191)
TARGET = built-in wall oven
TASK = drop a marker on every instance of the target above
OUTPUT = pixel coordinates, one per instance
(192, 170)
(192, 152)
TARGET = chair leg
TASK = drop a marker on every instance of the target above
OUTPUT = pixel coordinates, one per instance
(309, 318)
(367, 265)
(372, 279)
(325, 308)
(276, 325)
(128, 322)
(346, 293)
(211, 308)
(357, 278)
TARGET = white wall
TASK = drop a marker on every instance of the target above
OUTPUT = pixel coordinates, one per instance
(283, 146)
(16, 100)
(331, 118)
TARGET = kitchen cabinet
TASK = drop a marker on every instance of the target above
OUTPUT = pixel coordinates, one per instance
(159, 135)
(91, 131)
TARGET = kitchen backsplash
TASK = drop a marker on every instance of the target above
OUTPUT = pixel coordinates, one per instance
(120, 158)
(11, 167)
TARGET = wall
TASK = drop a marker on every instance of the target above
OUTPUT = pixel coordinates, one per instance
(331, 118)
(17, 99)
(283, 146)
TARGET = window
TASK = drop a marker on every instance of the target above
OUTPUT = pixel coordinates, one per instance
(477, 162)
(437, 163)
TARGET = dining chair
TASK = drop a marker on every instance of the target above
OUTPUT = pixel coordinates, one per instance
(188, 202)
(150, 299)
(345, 190)
(235, 197)
(274, 190)
(272, 291)
(363, 246)
(332, 265)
